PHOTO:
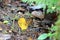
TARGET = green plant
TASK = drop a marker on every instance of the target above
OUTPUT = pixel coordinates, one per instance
(52, 4)
(56, 28)
(57, 36)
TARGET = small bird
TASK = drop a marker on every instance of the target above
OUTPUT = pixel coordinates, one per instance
(23, 23)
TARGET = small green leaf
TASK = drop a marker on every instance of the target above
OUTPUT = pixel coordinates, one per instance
(42, 36)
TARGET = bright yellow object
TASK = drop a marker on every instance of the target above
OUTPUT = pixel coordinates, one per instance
(22, 23)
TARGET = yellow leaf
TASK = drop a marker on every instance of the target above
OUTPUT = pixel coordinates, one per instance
(22, 23)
